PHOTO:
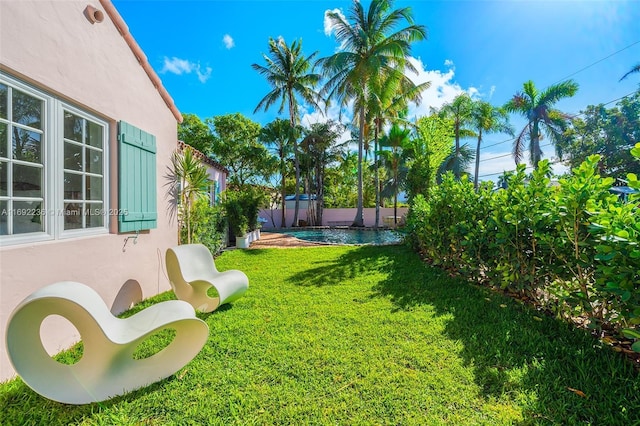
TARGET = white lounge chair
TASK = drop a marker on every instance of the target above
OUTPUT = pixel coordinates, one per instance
(107, 367)
(192, 273)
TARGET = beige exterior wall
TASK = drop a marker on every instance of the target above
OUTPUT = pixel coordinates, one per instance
(53, 47)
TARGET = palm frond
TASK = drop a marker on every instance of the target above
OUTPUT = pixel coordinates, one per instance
(631, 71)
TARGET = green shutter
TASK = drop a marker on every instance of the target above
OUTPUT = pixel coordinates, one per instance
(137, 195)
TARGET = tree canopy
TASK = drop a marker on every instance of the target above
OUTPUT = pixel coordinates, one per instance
(235, 145)
(610, 132)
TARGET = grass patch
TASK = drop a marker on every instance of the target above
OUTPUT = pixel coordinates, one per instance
(365, 335)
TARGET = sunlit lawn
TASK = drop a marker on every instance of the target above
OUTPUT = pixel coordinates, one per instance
(366, 336)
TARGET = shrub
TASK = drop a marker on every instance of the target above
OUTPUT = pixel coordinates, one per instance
(207, 226)
(572, 248)
(242, 207)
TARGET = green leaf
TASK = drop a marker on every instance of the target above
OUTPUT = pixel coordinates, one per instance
(631, 333)
(623, 234)
(605, 257)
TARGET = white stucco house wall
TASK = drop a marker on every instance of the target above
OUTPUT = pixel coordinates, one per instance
(86, 136)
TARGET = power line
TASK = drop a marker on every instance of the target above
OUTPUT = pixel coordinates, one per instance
(508, 171)
(508, 155)
(572, 117)
(571, 75)
(597, 62)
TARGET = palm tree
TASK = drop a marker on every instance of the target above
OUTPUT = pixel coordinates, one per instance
(456, 163)
(287, 72)
(631, 71)
(320, 146)
(537, 108)
(393, 158)
(278, 134)
(485, 119)
(370, 47)
(460, 112)
(388, 100)
(189, 180)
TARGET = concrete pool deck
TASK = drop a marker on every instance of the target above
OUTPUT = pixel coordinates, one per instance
(276, 240)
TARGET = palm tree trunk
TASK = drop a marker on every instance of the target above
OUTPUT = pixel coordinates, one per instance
(456, 170)
(535, 145)
(358, 221)
(395, 192)
(475, 179)
(377, 176)
(283, 191)
(296, 164)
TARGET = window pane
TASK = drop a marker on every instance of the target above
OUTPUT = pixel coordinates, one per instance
(72, 216)
(27, 217)
(27, 110)
(4, 150)
(72, 156)
(73, 127)
(27, 145)
(4, 217)
(4, 178)
(93, 161)
(94, 188)
(72, 186)
(27, 181)
(94, 215)
(95, 134)
(3, 101)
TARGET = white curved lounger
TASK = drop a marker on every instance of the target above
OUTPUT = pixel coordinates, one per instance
(107, 367)
(192, 272)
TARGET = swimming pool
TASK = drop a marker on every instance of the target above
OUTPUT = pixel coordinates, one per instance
(348, 236)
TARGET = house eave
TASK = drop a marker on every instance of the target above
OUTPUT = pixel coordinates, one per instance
(123, 29)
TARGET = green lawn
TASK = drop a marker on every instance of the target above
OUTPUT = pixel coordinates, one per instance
(366, 336)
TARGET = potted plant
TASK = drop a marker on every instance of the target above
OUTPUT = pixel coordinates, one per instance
(242, 206)
(241, 231)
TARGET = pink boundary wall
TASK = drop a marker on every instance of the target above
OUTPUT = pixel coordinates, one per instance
(330, 217)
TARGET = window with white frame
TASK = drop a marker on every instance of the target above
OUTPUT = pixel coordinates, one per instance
(53, 181)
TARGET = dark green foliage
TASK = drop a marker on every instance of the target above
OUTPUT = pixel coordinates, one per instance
(242, 206)
(207, 226)
(572, 248)
(196, 133)
(520, 218)
(610, 132)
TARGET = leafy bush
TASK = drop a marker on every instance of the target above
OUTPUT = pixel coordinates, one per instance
(242, 207)
(207, 226)
(572, 248)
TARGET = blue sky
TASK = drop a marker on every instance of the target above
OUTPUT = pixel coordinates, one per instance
(203, 51)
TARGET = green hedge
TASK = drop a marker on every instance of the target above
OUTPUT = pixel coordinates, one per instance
(208, 225)
(572, 248)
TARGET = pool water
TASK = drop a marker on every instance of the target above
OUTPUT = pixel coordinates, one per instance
(348, 236)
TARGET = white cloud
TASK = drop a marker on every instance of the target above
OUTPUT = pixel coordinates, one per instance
(203, 76)
(491, 92)
(442, 90)
(177, 66)
(183, 66)
(328, 27)
(228, 41)
(448, 63)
